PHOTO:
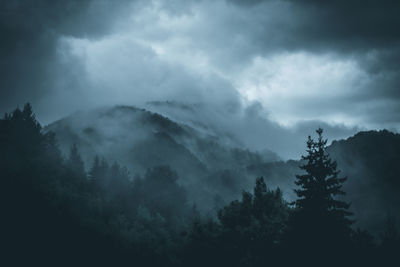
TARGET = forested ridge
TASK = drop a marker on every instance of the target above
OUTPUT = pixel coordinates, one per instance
(57, 211)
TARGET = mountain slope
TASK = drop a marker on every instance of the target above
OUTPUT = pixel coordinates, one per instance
(140, 139)
(370, 162)
(214, 171)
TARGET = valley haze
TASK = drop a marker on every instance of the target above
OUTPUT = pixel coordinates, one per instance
(200, 132)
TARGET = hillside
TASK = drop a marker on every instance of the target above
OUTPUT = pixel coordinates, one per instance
(215, 171)
(369, 161)
(210, 166)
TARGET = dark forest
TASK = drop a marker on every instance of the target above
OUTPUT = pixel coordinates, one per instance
(185, 133)
(57, 211)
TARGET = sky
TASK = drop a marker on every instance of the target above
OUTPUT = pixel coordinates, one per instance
(335, 62)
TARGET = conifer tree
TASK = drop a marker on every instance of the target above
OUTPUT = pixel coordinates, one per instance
(390, 236)
(98, 174)
(321, 219)
(75, 161)
(76, 175)
(94, 171)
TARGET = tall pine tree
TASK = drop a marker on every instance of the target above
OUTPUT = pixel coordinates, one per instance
(99, 174)
(75, 169)
(321, 220)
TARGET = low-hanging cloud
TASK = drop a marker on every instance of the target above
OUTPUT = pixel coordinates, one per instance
(300, 60)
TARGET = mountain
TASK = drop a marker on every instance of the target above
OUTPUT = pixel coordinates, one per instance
(369, 160)
(249, 127)
(210, 166)
(215, 168)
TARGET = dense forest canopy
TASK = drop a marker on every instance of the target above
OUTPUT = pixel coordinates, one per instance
(214, 169)
(58, 211)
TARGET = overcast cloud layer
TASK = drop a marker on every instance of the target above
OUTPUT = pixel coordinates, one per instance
(336, 62)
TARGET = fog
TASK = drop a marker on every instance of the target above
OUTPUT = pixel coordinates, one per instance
(171, 132)
(252, 75)
(255, 62)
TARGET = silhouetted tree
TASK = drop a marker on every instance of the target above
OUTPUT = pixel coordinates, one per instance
(206, 245)
(119, 180)
(390, 237)
(76, 174)
(75, 161)
(99, 175)
(163, 194)
(364, 241)
(321, 221)
(254, 225)
(44, 217)
(53, 211)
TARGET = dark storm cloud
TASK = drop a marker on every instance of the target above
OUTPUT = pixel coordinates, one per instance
(365, 31)
(30, 30)
(353, 27)
(180, 50)
(348, 25)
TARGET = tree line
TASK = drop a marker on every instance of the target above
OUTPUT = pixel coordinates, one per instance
(55, 211)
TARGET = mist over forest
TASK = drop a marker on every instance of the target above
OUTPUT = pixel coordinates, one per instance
(215, 165)
(124, 185)
(199, 133)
